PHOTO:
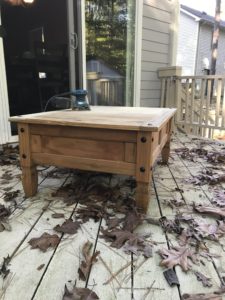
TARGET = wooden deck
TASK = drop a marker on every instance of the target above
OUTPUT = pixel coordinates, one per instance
(43, 275)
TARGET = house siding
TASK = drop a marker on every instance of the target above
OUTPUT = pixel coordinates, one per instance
(187, 43)
(157, 43)
(204, 50)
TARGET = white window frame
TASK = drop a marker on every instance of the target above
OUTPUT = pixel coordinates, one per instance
(138, 52)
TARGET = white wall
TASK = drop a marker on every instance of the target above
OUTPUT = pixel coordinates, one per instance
(187, 43)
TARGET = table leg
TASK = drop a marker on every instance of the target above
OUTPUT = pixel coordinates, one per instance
(29, 172)
(143, 195)
(29, 180)
(166, 152)
(144, 168)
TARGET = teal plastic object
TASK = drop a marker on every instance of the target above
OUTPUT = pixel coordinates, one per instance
(81, 102)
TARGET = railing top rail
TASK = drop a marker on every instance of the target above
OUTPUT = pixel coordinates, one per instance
(202, 77)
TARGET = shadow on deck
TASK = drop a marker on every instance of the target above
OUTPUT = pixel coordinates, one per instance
(185, 223)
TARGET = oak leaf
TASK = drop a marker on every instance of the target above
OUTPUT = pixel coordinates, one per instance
(69, 226)
(44, 241)
(176, 256)
(118, 237)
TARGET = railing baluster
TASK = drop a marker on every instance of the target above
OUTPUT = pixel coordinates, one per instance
(163, 86)
(178, 100)
(218, 99)
(201, 106)
(223, 107)
(209, 88)
(187, 104)
(167, 92)
(192, 99)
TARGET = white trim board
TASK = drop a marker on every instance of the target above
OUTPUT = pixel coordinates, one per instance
(138, 52)
(5, 130)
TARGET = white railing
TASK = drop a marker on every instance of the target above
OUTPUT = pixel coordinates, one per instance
(200, 103)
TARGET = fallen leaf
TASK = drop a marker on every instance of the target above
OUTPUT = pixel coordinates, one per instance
(79, 294)
(206, 281)
(4, 270)
(58, 216)
(219, 198)
(114, 222)
(210, 210)
(68, 226)
(202, 296)
(44, 241)
(132, 220)
(6, 225)
(171, 225)
(4, 212)
(9, 196)
(118, 237)
(176, 256)
(40, 267)
(88, 261)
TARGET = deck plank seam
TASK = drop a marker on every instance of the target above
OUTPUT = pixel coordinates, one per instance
(166, 236)
(50, 259)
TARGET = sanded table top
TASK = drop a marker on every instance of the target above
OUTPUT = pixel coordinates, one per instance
(111, 117)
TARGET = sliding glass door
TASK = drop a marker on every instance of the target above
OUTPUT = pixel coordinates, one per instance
(110, 41)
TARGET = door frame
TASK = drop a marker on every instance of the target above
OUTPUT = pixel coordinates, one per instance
(5, 132)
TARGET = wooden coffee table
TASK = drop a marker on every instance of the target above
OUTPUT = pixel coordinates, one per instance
(123, 140)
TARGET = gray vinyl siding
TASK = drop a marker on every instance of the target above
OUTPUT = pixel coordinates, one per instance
(204, 50)
(156, 47)
(187, 43)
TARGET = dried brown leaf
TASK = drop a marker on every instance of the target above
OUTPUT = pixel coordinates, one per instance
(4, 212)
(219, 198)
(210, 210)
(176, 256)
(44, 241)
(88, 261)
(9, 196)
(58, 216)
(206, 281)
(132, 220)
(118, 237)
(79, 294)
(114, 222)
(68, 226)
(202, 296)
(40, 267)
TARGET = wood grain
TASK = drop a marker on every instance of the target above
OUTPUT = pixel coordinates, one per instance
(82, 163)
(110, 117)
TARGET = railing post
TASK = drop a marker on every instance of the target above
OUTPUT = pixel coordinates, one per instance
(168, 76)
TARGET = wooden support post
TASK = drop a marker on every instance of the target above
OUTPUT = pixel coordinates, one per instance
(29, 172)
(166, 149)
(144, 168)
(143, 192)
(166, 152)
